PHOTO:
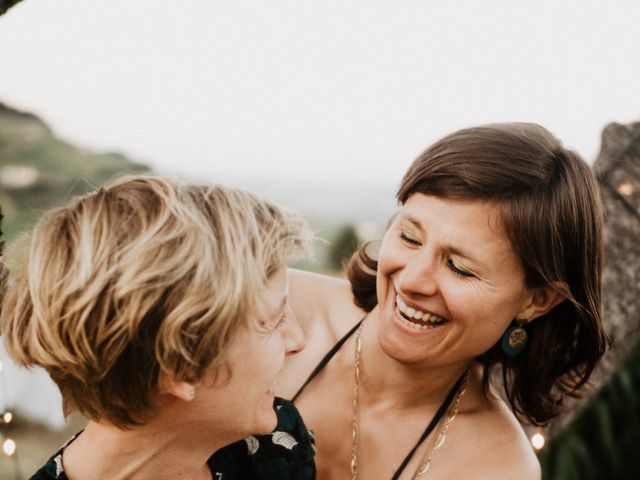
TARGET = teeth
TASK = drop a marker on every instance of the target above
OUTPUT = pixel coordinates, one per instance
(427, 320)
(417, 326)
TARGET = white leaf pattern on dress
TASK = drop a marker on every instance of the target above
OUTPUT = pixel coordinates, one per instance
(313, 441)
(58, 462)
(284, 439)
(252, 444)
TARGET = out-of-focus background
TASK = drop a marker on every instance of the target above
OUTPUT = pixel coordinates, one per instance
(321, 106)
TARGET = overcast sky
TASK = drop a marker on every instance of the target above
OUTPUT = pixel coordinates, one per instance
(327, 89)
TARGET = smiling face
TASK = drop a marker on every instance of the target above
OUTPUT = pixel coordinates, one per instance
(254, 360)
(449, 283)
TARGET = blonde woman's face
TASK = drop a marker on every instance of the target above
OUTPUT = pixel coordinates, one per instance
(256, 357)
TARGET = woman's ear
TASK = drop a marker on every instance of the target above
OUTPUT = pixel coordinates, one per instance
(182, 390)
(543, 299)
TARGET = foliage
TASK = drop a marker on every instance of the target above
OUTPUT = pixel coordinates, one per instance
(62, 170)
(604, 441)
(344, 243)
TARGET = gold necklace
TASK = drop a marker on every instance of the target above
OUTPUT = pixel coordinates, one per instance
(442, 434)
(440, 437)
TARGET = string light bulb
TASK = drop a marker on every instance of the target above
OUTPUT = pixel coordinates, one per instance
(626, 188)
(9, 447)
(7, 417)
(537, 441)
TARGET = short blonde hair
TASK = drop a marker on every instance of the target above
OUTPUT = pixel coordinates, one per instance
(147, 275)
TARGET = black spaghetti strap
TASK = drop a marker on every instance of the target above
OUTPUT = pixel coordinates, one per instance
(327, 358)
(444, 406)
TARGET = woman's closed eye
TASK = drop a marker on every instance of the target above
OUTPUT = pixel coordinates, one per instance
(270, 326)
(278, 322)
(409, 240)
(281, 320)
(458, 270)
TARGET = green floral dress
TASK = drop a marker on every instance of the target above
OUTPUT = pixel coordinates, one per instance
(285, 454)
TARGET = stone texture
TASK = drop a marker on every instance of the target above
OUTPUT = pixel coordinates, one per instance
(618, 171)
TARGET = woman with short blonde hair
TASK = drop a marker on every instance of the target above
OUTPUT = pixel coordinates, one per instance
(160, 310)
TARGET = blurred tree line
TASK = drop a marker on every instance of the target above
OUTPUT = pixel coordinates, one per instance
(344, 243)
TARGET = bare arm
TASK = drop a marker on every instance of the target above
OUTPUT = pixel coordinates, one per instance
(314, 297)
(324, 308)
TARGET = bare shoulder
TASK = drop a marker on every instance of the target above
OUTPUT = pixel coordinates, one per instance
(507, 452)
(494, 445)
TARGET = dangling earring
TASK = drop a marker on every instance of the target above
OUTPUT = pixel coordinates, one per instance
(514, 339)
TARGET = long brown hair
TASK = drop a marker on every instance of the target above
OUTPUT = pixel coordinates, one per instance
(551, 210)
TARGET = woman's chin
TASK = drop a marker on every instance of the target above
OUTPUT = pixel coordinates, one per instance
(267, 424)
(267, 419)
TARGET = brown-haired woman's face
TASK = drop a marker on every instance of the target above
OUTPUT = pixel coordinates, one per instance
(449, 282)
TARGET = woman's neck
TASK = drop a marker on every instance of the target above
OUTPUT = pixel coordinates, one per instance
(151, 451)
(386, 380)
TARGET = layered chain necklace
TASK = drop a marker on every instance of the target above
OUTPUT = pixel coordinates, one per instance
(451, 404)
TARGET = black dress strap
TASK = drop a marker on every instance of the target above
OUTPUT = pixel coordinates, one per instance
(444, 406)
(330, 354)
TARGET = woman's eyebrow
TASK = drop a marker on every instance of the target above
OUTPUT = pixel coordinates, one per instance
(411, 219)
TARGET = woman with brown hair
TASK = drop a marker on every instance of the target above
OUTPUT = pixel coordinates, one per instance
(161, 312)
(485, 287)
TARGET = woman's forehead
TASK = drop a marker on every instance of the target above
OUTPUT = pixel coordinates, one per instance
(469, 214)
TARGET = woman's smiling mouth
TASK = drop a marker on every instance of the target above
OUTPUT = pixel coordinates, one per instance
(417, 319)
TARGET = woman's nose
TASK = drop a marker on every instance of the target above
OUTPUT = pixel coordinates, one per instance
(294, 337)
(418, 277)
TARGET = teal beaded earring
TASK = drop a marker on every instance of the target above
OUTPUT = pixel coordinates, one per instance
(514, 339)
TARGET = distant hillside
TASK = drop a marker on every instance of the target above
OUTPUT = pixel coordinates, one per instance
(38, 170)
